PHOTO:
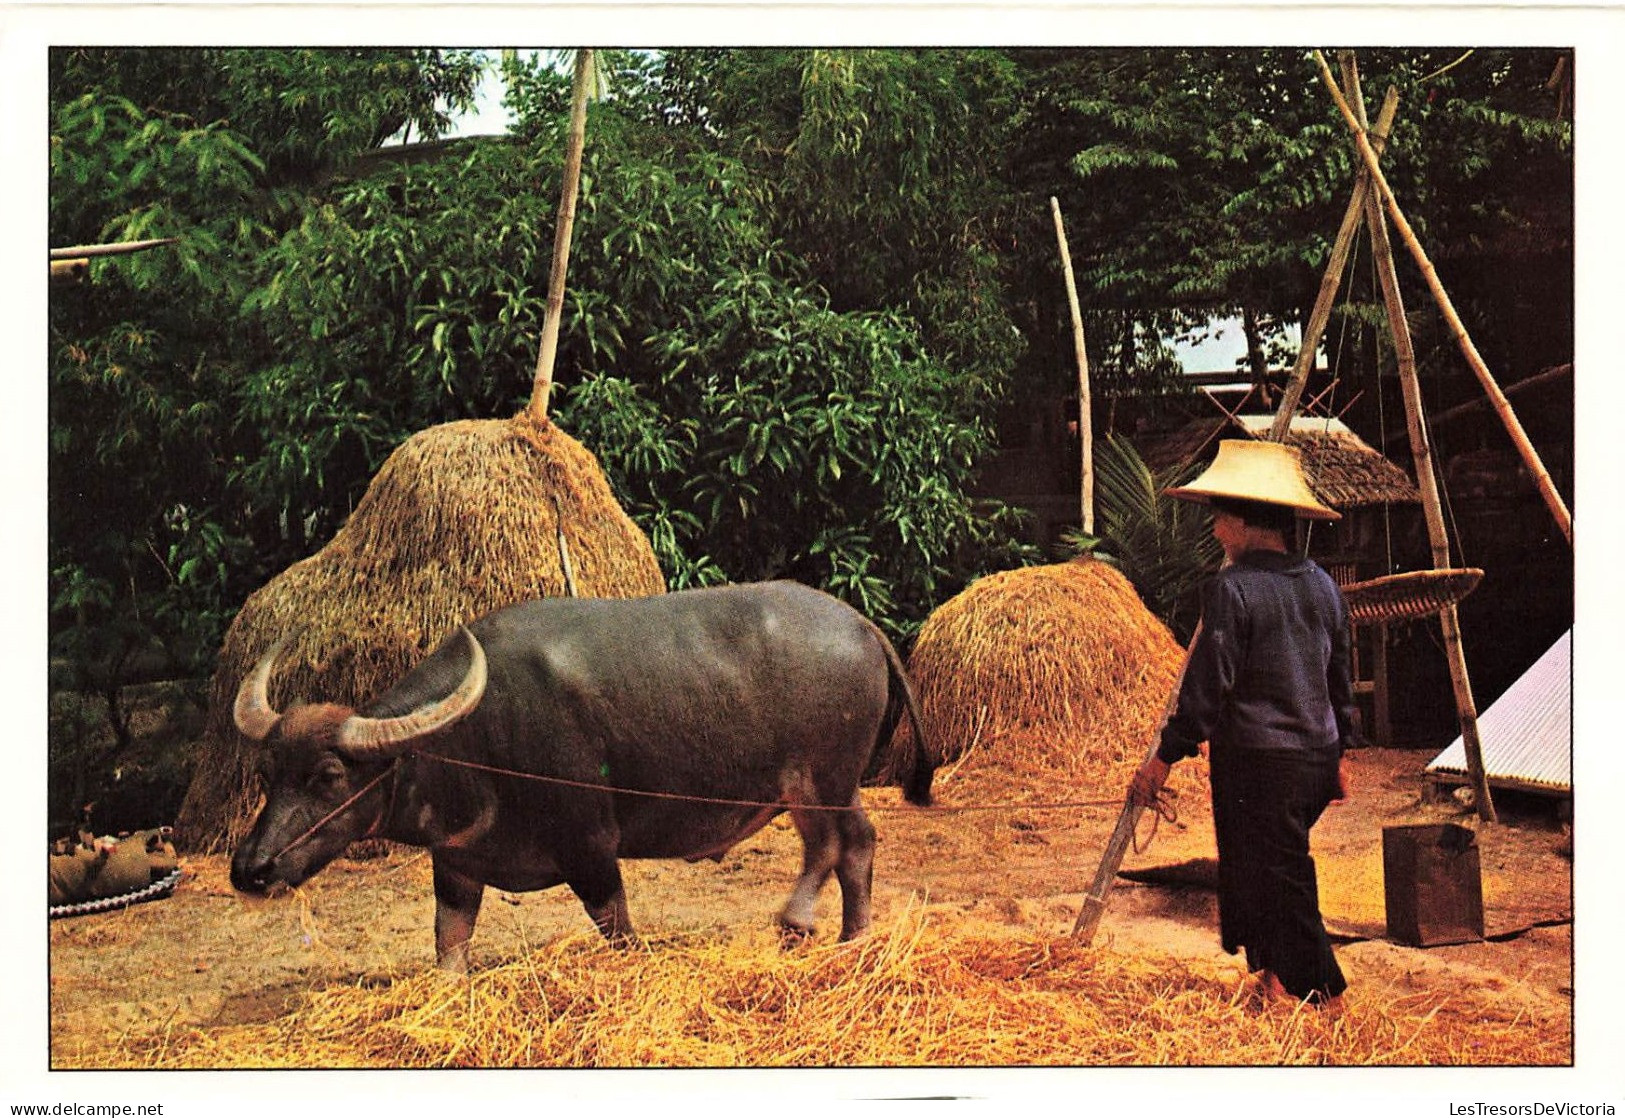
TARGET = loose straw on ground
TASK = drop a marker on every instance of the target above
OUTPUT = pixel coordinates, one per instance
(923, 990)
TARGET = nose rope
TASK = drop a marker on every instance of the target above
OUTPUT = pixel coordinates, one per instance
(336, 812)
(1163, 808)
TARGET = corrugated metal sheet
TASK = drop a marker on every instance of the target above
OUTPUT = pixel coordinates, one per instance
(1526, 734)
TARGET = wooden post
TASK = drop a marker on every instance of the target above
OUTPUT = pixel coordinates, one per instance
(1427, 482)
(1526, 449)
(1353, 217)
(1381, 706)
(1085, 410)
(542, 387)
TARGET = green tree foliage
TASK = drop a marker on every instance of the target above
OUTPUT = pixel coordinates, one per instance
(885, 171)
(802, 284)
(218, 407)
(754, 430)
(1207, 182)
(152, 539)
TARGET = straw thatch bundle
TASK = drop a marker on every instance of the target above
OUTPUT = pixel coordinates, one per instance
(921, 991)
(462, 519)
(1057, 670)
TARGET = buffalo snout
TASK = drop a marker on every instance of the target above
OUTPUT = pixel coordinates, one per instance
(251, 873)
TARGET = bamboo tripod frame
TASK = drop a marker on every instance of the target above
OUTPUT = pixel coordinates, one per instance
(1503, 409)
(1370, 192)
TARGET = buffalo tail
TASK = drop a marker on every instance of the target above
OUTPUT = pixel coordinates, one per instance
(915, 770)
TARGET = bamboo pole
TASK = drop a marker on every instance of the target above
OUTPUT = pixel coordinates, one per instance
(1526, 449)
(1353, 218)
(72, 264)
(1085, 408)
(1427, 482)
(1094, 901)
(1534, 380)
(542, 386)
(118, 248)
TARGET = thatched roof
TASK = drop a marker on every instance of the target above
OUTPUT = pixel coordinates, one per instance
(1343, 469)
(1180, 446)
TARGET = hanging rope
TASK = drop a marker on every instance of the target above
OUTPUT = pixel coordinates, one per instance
(1161, 809)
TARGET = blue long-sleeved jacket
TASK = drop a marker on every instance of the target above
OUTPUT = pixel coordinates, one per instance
(1270, 669)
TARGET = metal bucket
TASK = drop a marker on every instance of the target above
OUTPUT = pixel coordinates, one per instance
(1431, 883)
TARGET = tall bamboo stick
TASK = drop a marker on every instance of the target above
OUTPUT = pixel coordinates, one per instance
(1353, 216)
(1085, 410)
(1526, 449)
(542, 386)
(1426, 480)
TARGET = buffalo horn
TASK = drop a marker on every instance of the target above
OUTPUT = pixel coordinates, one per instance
(253, 712)
(361, 736)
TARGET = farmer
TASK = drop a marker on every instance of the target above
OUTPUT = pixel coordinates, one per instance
(1267, 687)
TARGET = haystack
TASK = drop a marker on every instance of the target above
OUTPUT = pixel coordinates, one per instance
(1057, 671)
(462, 519)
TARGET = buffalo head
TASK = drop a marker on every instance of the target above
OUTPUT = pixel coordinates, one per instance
(323, 757)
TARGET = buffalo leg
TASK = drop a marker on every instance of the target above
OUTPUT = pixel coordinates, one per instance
(456, 907)
(855, 870)
(820, 854)
(594, 876)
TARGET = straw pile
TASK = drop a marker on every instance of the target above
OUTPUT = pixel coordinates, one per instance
(462, 519)
(1053, 672)
(917, 992)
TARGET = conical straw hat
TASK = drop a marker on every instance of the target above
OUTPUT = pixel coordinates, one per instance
(1253, 470)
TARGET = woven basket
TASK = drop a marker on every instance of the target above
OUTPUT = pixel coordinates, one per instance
(1408, 596)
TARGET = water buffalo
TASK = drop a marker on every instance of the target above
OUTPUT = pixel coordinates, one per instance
(548, 739)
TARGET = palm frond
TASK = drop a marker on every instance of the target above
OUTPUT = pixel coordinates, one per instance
(1161, 544)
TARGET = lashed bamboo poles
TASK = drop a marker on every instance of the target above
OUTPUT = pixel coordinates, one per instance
(1085, 417)
(543, 385)
(1324, 300)
(1526, 449)
(1426, 479)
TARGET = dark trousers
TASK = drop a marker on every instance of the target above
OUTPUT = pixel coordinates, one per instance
(1269, 901)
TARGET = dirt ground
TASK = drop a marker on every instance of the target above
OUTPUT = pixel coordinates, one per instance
(207, 956)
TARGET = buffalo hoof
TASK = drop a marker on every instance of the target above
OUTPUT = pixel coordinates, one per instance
(454, 961)
(792, 936)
